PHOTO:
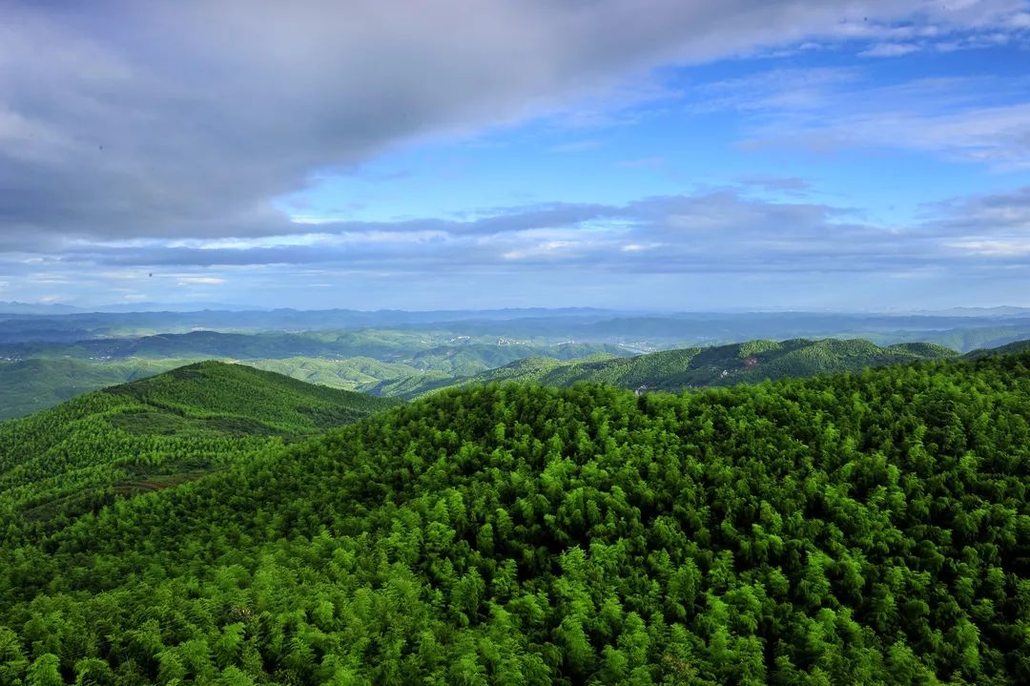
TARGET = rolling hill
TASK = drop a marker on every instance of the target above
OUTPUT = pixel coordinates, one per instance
(40, 375)
(36, 384)
(676, 370)
(223, 397)
(867, 528)
(156, 432)
(1015, 347)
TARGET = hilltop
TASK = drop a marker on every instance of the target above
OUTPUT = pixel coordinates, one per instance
(236, 398)
(677, 370)
(866, 528)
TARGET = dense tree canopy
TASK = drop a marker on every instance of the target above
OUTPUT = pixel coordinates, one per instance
(863, 528)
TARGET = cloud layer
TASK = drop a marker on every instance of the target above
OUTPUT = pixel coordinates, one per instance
(138, 136)
(127, 120)
(728, 230)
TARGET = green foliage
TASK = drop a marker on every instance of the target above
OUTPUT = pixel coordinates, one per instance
(867, 528)
(32, 385)
(379, 362)
(153, 434)
(676, 370)
(1016, 347)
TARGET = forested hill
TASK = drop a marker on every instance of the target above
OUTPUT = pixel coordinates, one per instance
(240, 399)
(1016, 347)
(155, 433)
(676, 370)
(34, 384)
(868, 528)
(38, 375)
(31, 385)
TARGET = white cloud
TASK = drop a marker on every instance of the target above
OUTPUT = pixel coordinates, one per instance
(200, 281)
(983, 119)
(1000, 248)
(190, 119)
(889, 50)
(637, 247)
(160, 135)
(715, 231)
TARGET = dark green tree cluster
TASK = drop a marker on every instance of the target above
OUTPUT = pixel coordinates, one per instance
(856, 529)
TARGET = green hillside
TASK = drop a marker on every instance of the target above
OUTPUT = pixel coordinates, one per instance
(868, 528)
(1016, 347)
(389, 363)
(221, 396)
(156, 432)
(37, 384)
(676, 370)
(32, 385)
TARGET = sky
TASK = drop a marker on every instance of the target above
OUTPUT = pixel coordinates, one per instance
(456, 154)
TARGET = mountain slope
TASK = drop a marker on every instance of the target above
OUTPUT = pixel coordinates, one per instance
(1015, 347)
(156, 432)
(676, 370)
(869, 528)
(267, 402)
(38, 375)
(29, 386)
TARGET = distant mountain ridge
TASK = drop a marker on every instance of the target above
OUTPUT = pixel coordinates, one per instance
(7, 307)
(36, 384)
(39, 375)
(676, 370)
(658, 330)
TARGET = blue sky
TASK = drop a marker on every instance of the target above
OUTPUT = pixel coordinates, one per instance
(659, 155)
